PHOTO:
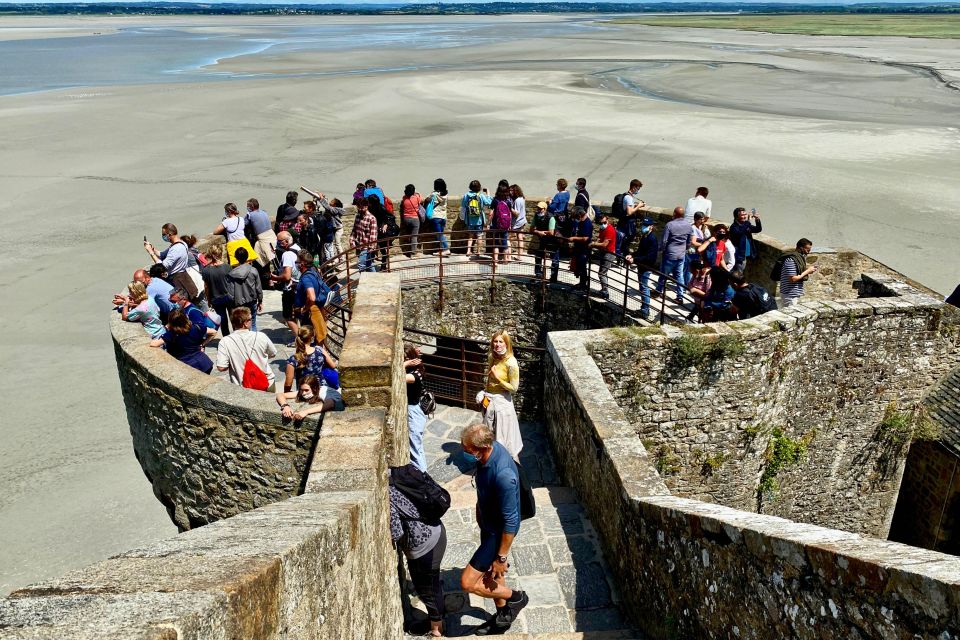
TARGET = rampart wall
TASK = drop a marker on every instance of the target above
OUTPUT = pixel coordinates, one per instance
(319, 565)
(691, 569)
(710, 400)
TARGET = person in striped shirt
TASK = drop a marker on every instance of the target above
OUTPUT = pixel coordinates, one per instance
(794, 273)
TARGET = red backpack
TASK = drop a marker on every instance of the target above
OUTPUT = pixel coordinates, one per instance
(388, 204)
(253, 376)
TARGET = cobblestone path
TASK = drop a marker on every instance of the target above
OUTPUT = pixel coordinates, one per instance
(556, 557)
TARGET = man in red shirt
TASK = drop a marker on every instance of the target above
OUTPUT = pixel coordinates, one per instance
(606, 245)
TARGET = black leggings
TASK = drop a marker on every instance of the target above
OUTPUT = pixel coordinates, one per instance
(425, 574)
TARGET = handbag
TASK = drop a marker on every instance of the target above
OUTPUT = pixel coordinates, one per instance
(528, 505)
(428, 403)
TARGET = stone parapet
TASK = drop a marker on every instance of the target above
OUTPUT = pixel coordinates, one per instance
(371, 363)
(210, 449)
(690, 569)
(318, 565)
(713, 401)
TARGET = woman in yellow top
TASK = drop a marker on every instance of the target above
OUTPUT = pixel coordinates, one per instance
(503, 379)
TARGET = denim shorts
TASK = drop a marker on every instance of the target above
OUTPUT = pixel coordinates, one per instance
(475, 228)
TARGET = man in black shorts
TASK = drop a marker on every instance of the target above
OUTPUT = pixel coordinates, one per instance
(287, 277)
(498, 514)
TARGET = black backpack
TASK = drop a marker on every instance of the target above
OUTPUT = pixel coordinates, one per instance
(430, 499)
(777, 270)
(616, 209)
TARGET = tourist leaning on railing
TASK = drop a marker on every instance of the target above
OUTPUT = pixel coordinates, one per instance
(645, 260)
(184, 340)
(311, 397)
(410, 211)
(139, 307)
(519, 216)
(363, 236)
(435, 211)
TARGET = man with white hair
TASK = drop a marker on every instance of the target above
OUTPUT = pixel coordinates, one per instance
(498, 514)
(288, 277)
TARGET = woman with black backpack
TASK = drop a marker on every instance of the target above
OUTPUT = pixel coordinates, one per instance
(422, 538)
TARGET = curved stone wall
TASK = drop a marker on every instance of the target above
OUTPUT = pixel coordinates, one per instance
(210, 449)
(316, 566)
(691, 569)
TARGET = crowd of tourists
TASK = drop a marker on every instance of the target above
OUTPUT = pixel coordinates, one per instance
(188, 296)
(704, 262)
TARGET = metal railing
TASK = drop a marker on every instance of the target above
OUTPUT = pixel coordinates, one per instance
(456, 366)
(433, 266)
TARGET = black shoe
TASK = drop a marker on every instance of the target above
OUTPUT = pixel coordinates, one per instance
(656, 293)
(492, 627)
(604, 294)
(513, 608)
(553, 278)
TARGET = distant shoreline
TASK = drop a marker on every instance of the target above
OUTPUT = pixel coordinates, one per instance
(468, 8)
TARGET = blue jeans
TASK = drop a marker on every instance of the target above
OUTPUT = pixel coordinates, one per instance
(416, 422)
(365, 260)
(672, 267)
(645, 292)
(439, 224)
(551, 254)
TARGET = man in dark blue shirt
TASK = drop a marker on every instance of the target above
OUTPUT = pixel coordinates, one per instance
(498, 514)
(581, 237)
(645, 260)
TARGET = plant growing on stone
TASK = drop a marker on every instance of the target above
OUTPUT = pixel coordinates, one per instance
(782, 452)
(712, 463)
(668, 463)
(728, 347)
(686, 351)
(901, 427)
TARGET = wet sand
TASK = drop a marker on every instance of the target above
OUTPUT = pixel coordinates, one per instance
(848, 141)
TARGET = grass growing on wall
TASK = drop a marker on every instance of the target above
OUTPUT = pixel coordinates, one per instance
(692, 350)
(901, 427)
(782, 452)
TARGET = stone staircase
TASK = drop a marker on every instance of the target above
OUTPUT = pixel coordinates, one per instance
(556, 557)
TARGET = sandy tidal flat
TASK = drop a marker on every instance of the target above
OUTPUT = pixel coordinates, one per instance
(848, 141)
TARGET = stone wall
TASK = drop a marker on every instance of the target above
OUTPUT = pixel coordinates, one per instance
(210, 449)
(689, 569)
(709, 402)
(371, 363)
(319, 565)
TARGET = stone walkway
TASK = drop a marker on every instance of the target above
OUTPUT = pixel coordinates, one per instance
(556, 556)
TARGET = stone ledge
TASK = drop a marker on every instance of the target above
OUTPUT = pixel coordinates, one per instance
(251, 576)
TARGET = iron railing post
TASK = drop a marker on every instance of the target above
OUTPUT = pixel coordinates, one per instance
(493, 277)
(463, 374)
(440, 272)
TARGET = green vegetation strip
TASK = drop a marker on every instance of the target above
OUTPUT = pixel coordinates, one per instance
(914, 26)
